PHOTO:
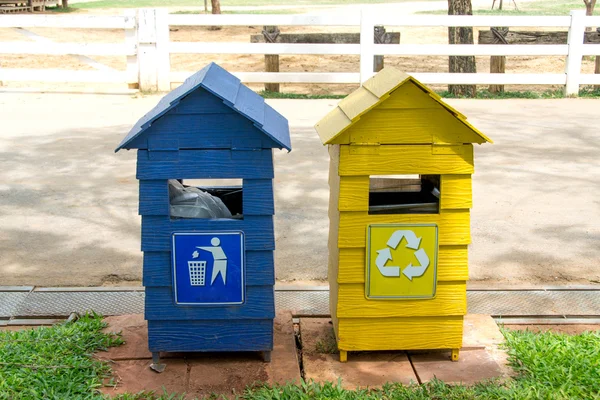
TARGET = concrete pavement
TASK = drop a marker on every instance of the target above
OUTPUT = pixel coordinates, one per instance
(68, 204)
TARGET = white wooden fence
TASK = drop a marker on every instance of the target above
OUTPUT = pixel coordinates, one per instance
(148, 48)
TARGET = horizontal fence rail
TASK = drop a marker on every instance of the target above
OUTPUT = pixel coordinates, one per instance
(44, 46)
(147, 47)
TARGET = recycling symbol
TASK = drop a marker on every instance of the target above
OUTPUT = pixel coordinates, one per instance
(413, 243)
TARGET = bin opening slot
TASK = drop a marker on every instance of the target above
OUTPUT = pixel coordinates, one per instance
(404, 194)
(206, 198)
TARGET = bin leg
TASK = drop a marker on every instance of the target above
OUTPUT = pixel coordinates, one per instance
(266, 355)
(454, 356)
(156, 366)
(343, 356)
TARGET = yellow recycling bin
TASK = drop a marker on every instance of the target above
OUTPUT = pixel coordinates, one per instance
(400, 171)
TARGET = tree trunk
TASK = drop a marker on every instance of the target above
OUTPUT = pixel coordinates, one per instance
(216, 6)
(589, 11)
(461, 35)
(215, 9)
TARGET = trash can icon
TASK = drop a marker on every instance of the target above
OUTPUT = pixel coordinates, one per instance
(197, 272)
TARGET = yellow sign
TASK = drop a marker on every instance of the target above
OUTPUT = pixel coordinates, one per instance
(401, 261)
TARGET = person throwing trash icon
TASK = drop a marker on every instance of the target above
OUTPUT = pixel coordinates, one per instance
(220, 260)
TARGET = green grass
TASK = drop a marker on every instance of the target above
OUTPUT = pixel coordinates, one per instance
(486, 94)
(196, 12)
(586, 92)
(55, 362)
(224, 3)
(550, 7)
(302, 96)
(548, 366)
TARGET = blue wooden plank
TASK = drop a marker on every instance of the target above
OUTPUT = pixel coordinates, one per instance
(206, 131)
(201, 101)
(154, 197)
(250, 105)
(163, 143)
(169, 101)
(221, 83)
(157, 230)
(236, 335)
(160, 305)
(277, 127)
(207, 164)
(258, 197)
(169, 155)
(260, 269)
(227, 88)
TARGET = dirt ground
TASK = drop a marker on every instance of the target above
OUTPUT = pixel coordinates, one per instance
(255, 63)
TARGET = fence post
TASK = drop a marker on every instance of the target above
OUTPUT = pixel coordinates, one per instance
(162, 50)
(147, 57)
(367, 39)
(132, 71)
(575, 55)
(153, 50)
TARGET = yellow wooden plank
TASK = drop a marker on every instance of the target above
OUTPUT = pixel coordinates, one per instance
(332, 124)
(359, 102)
(334, 218)
(456, 191)
(453, 111)
(361, 334)
(453, 226)
(376, 91)
(354, 193)
(401, 160)
(452, 264)
(410, 126)
(450, 299)
(409, 95)
(385, 81)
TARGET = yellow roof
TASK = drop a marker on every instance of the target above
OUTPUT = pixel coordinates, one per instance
(372, 93)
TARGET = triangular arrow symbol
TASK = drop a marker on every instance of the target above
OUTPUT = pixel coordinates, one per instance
(415, 271)
(383, 256)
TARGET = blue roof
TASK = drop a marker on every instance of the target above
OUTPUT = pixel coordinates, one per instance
(228, 88)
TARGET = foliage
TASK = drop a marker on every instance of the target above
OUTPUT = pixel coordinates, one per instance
(60, 10)
(298, 4)
(328, 345)
(197, 12)
(548, 366)
(55, 362)
(587, 92)
(590, 91)
(555, 365)
(539, 7)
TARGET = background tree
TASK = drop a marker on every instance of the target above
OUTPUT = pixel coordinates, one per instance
(589, 6)
(461, 35)
(216, 6)
(589, 10)
(215, 9)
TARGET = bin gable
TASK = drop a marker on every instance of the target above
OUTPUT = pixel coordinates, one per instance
(392, 107)
(230, 93)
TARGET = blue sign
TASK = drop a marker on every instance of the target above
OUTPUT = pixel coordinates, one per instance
(208, 268)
